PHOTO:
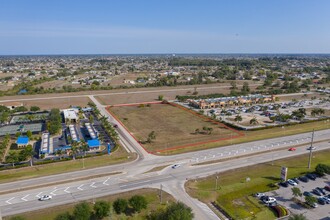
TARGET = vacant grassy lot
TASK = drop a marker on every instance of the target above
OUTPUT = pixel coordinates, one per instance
(234, 192)
(119, 156)
(173, 126)
(152, 196)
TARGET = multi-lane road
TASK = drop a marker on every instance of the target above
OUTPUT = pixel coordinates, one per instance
(17, 198)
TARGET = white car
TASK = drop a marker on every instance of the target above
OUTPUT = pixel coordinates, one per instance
(311, 148)
(269, 199)
(176, 166)
(45, 197)
(259, 195)
(291, 182)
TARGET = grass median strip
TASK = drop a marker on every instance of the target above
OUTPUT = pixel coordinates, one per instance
(235, 187)
(116, 157)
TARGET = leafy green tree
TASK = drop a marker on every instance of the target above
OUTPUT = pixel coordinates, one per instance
(34, 108)
(12, 158)
(120, 205)
(4, 116)
(175, 211)
(29, 134)
(160, 97)
(101, 209)
(296, 192)
(151, 136)
(138, 203)
(322, 169)
(245, 89)
(310, 199)
(63, 216)
(28, 153)
(82, 211)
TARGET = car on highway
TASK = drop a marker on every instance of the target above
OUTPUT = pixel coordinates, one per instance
(291, 182)
(115, 125)
(176, 166)
(45, 198)
(311, 148)
(292, 149)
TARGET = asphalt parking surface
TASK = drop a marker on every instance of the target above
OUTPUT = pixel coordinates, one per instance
(284, 197)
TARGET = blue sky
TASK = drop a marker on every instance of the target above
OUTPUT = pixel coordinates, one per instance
(164, 26)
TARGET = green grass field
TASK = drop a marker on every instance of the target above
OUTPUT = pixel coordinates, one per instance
(152, 196)
(234, 192)
(119, 156)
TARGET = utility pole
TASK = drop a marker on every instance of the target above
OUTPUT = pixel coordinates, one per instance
(161, 193)
(310, 151)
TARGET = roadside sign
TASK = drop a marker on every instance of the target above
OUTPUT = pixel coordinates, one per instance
(284, 173)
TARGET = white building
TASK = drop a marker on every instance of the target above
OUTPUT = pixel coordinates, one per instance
(70, 115)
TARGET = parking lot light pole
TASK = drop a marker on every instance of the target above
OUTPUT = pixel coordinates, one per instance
(216, 182)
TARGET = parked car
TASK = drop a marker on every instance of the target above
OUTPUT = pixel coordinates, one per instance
(45, 197)
(321, 201)
(303, 179)
(313, 205)
(306, 193)
(317, 192)
(311, 176)
(326, 199)
(321, 190)
(259, 195)
(269, 200)
(284, 184)
(292, 149)
(296, 180)
(291, 182)
(327, 188)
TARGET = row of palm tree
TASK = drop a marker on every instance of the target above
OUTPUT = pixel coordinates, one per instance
(76, 148)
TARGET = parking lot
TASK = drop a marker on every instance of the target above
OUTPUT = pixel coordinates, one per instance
(284, 197)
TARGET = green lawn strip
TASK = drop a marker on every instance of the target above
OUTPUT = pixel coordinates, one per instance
(234, 191)
(257, 135)
(119, 156)
(152, 196)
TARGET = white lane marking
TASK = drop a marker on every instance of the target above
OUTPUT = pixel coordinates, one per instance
(38, 195)
(105, 181)
(92, 185)
(8, 201)
(53, 192)
(79, 187)
(66, 190)
(24, 198)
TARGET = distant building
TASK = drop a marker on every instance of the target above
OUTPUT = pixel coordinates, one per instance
(70, 115)
(73, 133)
(230, 101)
(94, 144)
(91, 130)
(46, 144)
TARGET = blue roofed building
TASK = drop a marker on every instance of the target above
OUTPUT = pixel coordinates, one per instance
(94, 144)
(22, 141)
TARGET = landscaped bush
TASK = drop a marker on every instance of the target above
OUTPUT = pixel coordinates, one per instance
(280, 211)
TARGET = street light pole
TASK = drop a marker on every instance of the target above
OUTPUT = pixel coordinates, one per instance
(310, 151)
(216, 182)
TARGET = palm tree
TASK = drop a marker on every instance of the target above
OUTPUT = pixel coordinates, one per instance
(60, 153)
(74, 149)
(238, 118)
(84, 147)
(254, 121)
(29, 153)
(296, 192)
(12, 158)
(210, 130)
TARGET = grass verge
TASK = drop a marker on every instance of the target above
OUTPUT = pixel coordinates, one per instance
(152, 196)
(119, 156)
(234, 191)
